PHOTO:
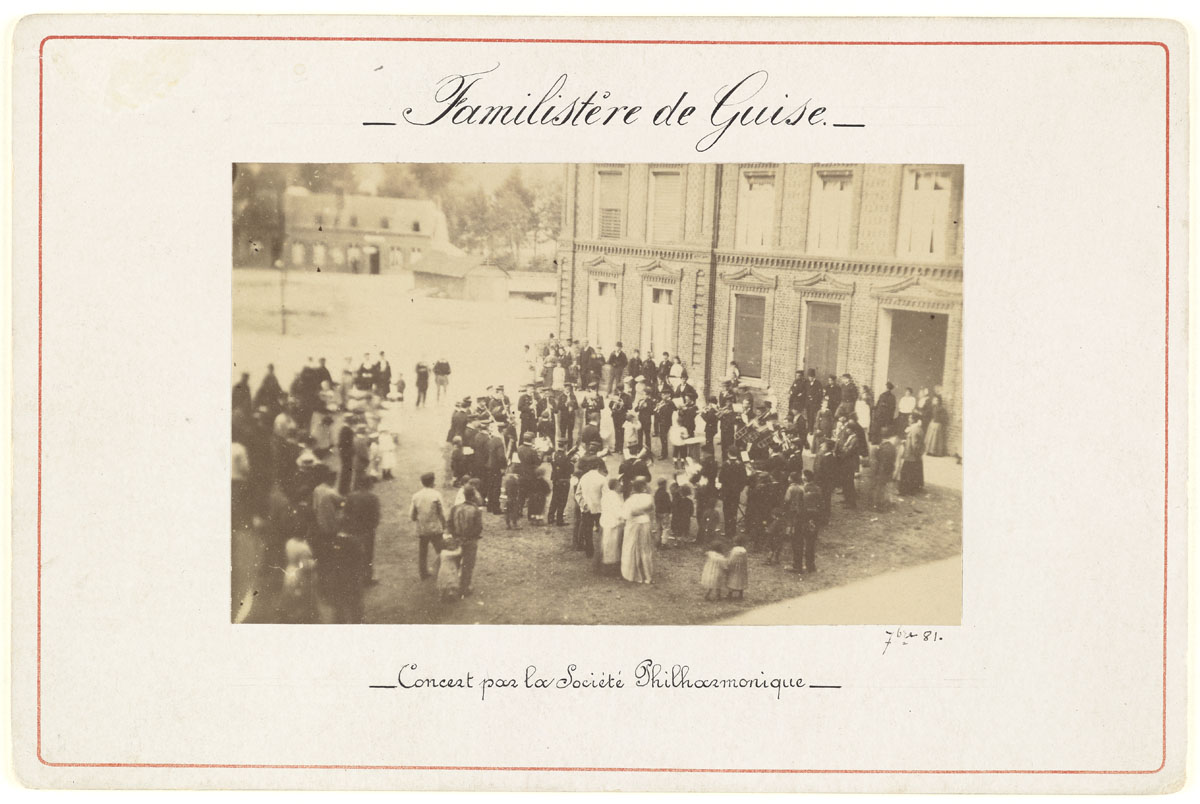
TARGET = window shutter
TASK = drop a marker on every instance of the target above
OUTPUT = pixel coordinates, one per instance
(611, 204)
(667, 207)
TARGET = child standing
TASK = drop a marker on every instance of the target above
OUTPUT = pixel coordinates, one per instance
(539, 490)
(662, 511)
(708, 523)
(712, 577)
(449, 569)
(387, 454)
(681, 514)
(778, 532)
(512, 499)
(737, 571)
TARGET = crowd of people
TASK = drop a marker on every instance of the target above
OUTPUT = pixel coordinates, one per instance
(581, 437)
(304, 463)
(582, 410)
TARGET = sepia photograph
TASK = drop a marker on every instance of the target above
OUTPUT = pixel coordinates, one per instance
(621, 394)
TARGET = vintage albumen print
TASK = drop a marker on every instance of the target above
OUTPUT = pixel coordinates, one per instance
(689, 439)
(634, 394)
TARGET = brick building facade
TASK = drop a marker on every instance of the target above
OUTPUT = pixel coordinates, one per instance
(360, 233)
(842, 268)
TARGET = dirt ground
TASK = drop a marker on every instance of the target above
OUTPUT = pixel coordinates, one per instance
(530, 575)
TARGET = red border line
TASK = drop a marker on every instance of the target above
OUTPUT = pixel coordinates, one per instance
(1166, 404)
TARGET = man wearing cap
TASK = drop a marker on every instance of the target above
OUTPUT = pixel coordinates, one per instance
(662, 423)
(797, 394)
(618, 407)
(650, 372)
(634, 369)
(645, 414)
(458, 420)
(528, 461)
(618, 360)
(813, 397)
(664, 368)
(567, 416)
(494, 461)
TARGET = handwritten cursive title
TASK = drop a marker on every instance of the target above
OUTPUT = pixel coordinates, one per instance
(647, 674)
(464, 99)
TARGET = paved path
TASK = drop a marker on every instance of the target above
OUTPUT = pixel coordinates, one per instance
(929, 594)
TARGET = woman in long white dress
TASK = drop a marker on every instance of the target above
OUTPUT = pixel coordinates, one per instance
(612, 513)
(607, 433)
(637, 549)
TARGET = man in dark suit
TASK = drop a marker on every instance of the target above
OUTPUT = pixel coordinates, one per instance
(634, 368)
(528, 462)
(813, 397)
(662, 423)
(495, 463)
(664, 369)
(360, 519)
(849, 396)
(732, 480)
(458, 421)
(851, 447)
(618, 360)
(797, 394)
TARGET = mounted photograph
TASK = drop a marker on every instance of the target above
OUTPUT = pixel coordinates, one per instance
(597, 394)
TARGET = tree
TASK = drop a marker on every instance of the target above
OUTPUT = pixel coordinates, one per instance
(513, 213)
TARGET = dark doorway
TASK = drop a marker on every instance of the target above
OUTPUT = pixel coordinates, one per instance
(821, 335)
(917, 356)
(373, 259)
(748, 327)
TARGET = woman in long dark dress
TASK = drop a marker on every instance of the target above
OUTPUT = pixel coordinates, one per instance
(935, 438)
(912, 467)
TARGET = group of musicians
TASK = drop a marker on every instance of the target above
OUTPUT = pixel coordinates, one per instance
(628, 418)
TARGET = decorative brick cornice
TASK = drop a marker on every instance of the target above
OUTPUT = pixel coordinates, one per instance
(749, 279)
(821, 283)
(918, 293)
(833, 265)
(946, 272)
(602, 266)
(658, 272)
(638, 251)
